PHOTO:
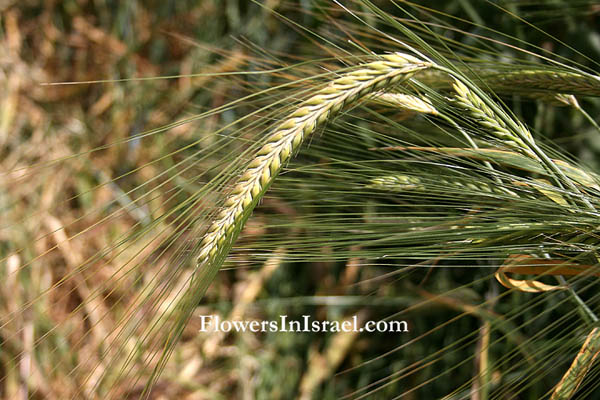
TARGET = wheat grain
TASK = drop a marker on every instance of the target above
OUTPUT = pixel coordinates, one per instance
(289, 135)
(397, 183)
(405, 102)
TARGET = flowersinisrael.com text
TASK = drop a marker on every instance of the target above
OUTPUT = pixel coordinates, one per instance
(213, 323)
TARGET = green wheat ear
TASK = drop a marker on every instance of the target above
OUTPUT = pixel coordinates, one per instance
(287, 137)
(488, 119)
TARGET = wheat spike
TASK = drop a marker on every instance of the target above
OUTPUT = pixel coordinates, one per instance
(531, 83)
(401, 183)
(487, 118)
(544, 81)
(289, 135)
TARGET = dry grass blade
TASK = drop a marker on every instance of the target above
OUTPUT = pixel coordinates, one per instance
(289, 135)
(581, 365)
(323, 365)
(527, 265)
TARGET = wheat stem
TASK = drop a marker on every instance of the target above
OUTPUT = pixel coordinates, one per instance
(289, 135)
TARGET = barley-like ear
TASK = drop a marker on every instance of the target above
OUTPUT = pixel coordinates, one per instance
(402, 183)
(543, 81)
(487, 118)
(397, 183)
(513, 133)
(534, 83)
(510, 159)
(289, 135)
